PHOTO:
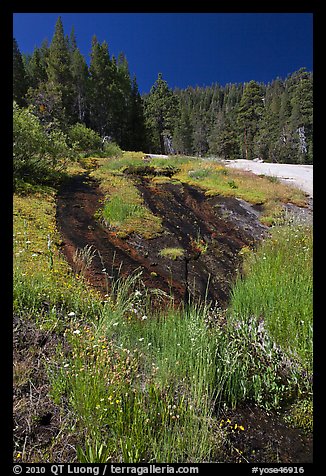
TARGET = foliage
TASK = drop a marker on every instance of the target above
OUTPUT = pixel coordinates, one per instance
(19, 76)
(160, 112)
(83, 139)
(272, 121)
(269, 289)
(36, 154)
(249, 112)
(112, 150)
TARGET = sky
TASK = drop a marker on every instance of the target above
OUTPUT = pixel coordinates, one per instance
(189, 49)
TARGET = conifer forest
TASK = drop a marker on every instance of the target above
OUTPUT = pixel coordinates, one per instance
(272, 122)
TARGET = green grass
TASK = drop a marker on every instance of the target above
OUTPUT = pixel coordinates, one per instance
(124, 207)
(267, 346)
(116, 211)
(277, 287)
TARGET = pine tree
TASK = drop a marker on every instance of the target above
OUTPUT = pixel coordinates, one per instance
(59, 69)
(137, 132)
(224, 141)
(100, 88)
(161, 109)
(183, 134)
(79, 71)
(36, 65)
(248, 115)
(19, 76)
(121, 100)
(301, 120)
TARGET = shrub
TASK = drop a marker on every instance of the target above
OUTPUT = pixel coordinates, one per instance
(83, 139)
(36, 153)
(111, 149)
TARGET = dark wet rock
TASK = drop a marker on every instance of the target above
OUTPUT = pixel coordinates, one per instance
(211, 232)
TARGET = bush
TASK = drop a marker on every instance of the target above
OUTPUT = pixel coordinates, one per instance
(36, 153)
(83, 139)
(111, 149)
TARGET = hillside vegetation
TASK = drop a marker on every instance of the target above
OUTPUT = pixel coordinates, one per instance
(120, 380)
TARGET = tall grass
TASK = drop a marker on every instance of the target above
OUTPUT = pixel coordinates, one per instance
(277, 287)
(141, 386)
(267, 344)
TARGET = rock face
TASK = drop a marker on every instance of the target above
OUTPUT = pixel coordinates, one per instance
(210, 231)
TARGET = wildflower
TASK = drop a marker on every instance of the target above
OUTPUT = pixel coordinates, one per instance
(71, 314)
(65, 366)
(241, 427)
(77, 331)
(141, 339)
(115, 323)
(144, 318)
(137, 293)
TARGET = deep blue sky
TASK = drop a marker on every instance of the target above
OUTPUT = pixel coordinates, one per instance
(189, 49)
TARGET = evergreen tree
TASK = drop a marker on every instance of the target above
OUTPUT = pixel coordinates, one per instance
(200, 133)
(36, 65)
(183, 134)
(46, 102)
(59, 69)
(301, 120)
(161, 110)
(224, 141)
(121, 101)
(137, 130)
(100, 88)
(19, 76)
(248, 115)
(79, 71)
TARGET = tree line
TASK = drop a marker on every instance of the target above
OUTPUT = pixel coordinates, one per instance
(273, 122)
